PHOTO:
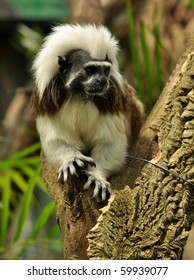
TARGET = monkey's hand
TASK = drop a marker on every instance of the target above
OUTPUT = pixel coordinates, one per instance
(73, 161)
(100, 184)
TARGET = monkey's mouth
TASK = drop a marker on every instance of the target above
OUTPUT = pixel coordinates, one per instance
(96, 90)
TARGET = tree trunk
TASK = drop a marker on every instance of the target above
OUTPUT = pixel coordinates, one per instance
(151, 217)
(150, 213)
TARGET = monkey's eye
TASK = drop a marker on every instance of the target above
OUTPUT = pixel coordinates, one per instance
(106, 71)
(90, 70)
(63, 63)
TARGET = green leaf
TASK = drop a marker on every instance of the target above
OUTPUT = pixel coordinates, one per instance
(19, 180)
(27, 151)
(54, 231)
(158, 45)
(27, 170)
(191, 4)
(147, 65)
(41, 184)
(134, 52)
(5, 211)
(43, 218)
(25, 204)
(22, 158)
(29, 160)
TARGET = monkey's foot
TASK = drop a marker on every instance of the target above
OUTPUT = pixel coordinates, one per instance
(100, 184)
(70, 165)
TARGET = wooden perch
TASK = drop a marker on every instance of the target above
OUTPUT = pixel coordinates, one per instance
(151, 217)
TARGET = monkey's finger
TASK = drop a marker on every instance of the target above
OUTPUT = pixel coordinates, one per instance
(65, 174)
(88, 184)
(72, 169)
(96, 189)
(103, 194)
(78, 162)
(88, 161)
(103, 189)
(107, 193)
(89, 164)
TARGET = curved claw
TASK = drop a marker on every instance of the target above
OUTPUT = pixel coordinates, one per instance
(69, 167)
(60, 178)
(84, 161)
(100, 185)
(104, 187)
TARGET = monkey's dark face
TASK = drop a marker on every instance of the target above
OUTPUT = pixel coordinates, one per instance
(85, 76)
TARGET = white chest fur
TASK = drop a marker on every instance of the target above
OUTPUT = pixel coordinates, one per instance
(79, 129)
(81, 125)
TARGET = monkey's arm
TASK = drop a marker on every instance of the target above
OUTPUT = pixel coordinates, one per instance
(61, 155)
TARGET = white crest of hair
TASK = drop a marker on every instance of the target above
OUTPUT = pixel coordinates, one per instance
(96, 40)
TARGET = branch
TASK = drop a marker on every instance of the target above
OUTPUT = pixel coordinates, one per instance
(152, 219)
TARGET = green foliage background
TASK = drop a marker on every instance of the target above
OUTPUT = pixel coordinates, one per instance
(22, 189)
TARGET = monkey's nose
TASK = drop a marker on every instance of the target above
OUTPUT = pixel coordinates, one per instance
(101, 82)
(99, 85)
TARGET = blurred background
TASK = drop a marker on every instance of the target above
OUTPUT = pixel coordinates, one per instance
(152, 36)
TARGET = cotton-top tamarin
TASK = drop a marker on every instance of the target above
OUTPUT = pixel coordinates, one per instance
(86, 114)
